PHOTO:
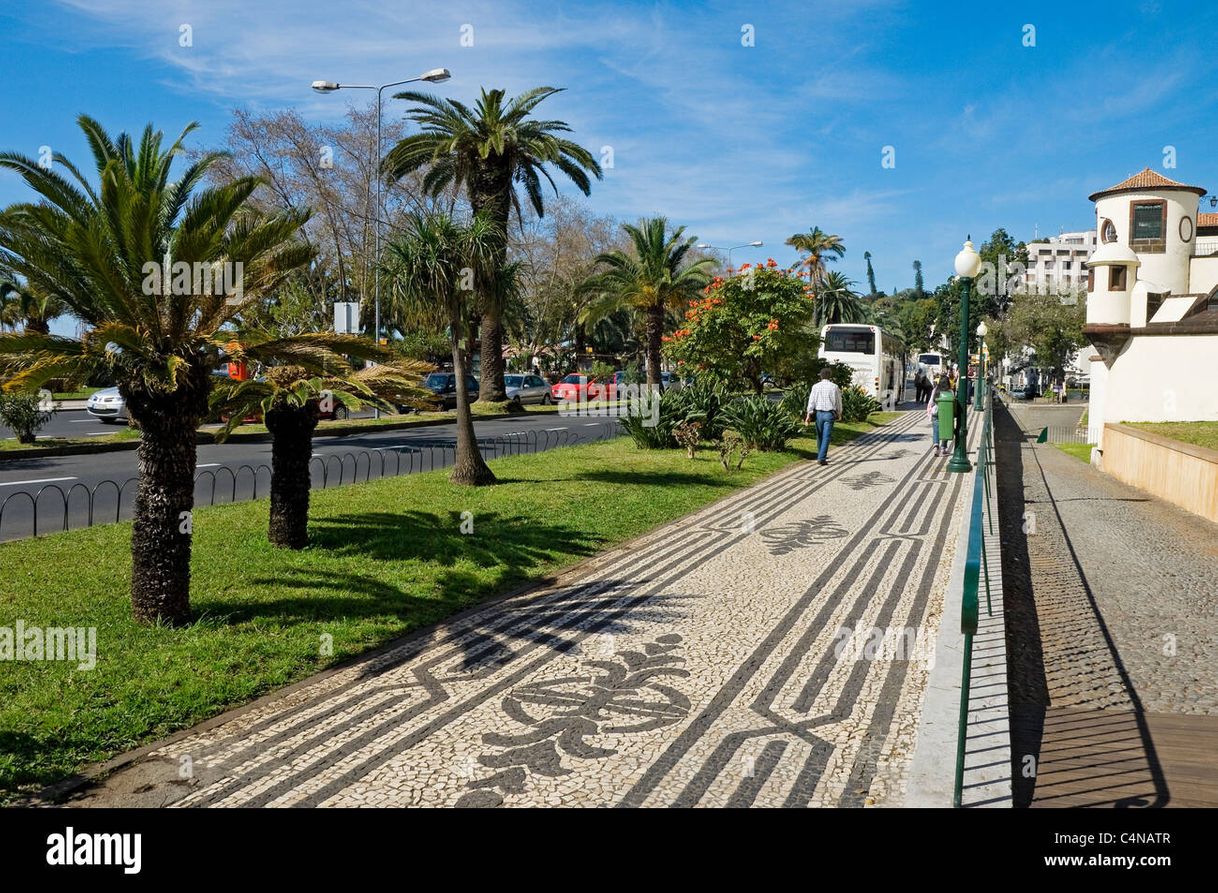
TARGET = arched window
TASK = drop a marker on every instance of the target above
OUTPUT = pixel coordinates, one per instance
(1108, 231)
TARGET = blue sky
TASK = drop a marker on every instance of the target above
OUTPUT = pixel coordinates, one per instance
(737, 143)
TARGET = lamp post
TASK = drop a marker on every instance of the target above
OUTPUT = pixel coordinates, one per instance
(729, 251)
(435, 76)
(968, 264)
(982, 331)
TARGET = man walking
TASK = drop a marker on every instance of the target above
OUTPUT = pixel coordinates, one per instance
(825, 403)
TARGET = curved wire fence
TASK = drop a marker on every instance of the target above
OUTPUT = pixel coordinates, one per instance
(54, 508)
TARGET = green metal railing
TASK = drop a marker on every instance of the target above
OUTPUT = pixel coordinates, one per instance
(976, 569)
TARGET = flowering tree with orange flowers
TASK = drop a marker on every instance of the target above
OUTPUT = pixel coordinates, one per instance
(759, 320)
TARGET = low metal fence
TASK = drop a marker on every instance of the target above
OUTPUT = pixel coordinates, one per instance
(54, 508)
(976, 570)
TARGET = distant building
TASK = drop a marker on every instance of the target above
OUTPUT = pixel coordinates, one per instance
(1058, 264)
(1152, 304)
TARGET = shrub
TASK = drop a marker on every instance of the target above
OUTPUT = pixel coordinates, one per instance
(702, 401)
(699, 402)
(762, 424)
(647, 436)
(857, 404)
(795, 400)
(601, 370)
(24, 413)
(687, 434)
(732, 450)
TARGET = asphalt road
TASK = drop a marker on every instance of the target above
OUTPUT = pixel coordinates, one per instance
(105, 482)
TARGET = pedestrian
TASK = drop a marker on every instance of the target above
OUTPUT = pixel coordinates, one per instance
(942, 386)
(825, 403)
(919, 381)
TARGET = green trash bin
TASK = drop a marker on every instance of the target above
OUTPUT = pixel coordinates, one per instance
(947, 414)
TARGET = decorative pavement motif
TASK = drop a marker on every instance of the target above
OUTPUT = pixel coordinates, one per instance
(784, 538)
(870, 479)
(695, 666)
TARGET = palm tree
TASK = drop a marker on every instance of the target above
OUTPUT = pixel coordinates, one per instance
(490, 150)
(291, 396)
(821, 247)
(32, 308)
(870, 274)
(433, 266)
(836, 301)
(102, 250)
(653, 281)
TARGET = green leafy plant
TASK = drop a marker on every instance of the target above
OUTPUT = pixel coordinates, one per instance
(857, 404)
(700, 402)
(602, 371)
(763, 424)
(24, 413)
(647, 436)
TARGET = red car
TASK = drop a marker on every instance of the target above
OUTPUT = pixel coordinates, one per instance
(577, 387)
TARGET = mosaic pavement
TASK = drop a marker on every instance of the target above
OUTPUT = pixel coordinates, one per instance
(727, 659)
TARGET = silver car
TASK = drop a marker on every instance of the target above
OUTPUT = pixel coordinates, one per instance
(107, 405)
(527, 389)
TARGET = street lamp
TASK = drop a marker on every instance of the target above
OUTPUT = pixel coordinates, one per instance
(968, 265)
(729, 251)
(982, 331)
(435, 76)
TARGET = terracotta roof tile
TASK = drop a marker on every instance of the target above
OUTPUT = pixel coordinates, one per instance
(1207, 220)
(1146, 179)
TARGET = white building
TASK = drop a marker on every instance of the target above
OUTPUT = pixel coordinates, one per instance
(1152, 305)
(1058, 264)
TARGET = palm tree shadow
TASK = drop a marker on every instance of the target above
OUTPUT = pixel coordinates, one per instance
(487, 539)
(496, 553)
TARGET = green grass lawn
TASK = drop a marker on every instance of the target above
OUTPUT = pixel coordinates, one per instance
(386, 557)
(82, 394)
(1077, 450)
(121, 433)
(1202, 434)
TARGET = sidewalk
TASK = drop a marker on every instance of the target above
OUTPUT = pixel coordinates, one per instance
(1113, 629)
(695, 666)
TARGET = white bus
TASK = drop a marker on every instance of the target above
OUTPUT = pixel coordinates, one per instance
(931, 364)
(877, 358)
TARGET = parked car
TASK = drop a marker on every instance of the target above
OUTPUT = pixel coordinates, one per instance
(107, 405)
(527, 389)
(337, 410)
(444, 386)
(576, 387)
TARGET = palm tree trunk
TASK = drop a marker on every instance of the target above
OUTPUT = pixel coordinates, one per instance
(491, 387)
(580, 339)
(162, 532)
(468, 466)
(492, 195)
(655, 332)
(291, 450)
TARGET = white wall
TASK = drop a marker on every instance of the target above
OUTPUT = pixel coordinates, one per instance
(1095, 408)
(1162, 378)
